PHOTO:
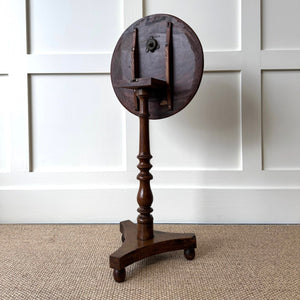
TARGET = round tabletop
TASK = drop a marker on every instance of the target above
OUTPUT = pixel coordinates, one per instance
(186, 63)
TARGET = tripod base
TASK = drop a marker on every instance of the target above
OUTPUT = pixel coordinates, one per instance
(133, 250)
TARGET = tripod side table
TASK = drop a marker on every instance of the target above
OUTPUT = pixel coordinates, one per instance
(156, 69)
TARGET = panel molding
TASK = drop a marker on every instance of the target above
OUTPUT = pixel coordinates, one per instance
(280, 59)
(223, 61)
(251, 85)
(69, 63)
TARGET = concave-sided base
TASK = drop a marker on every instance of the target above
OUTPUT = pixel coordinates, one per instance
(134, 250)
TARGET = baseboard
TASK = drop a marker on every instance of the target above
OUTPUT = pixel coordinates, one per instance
(171, 205)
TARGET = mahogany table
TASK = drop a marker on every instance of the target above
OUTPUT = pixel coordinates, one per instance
(156, 69)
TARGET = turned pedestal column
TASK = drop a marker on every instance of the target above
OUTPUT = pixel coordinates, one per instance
(144, 196)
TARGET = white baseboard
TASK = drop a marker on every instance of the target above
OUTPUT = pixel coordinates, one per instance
(171, 205)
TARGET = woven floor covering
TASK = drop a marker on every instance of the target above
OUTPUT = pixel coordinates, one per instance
(71, 262)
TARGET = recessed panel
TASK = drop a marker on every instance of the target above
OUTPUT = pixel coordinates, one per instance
(76, 123)
(280, 24)
(3, 29)
(216, 22)
(4, 125)
(281, 122)
(207, 133)
(74, 26)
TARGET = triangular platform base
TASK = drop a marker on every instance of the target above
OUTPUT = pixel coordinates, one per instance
(133, 250)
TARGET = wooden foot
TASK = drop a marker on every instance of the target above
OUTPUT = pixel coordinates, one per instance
(189, 253)
(119, 275)
(133, 249)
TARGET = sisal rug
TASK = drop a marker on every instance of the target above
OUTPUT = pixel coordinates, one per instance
(71, 262)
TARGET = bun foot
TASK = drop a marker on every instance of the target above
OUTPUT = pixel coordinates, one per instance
(189, 253)
(119, 275)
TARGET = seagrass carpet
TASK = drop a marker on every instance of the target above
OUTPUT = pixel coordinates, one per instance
(71, 262)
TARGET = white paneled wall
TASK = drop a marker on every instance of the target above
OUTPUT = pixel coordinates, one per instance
(68, 148)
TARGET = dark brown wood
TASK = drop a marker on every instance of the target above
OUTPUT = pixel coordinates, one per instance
(133, 249)
(153, 82)
(134, 64)
(119, 275)
(187, 62)
(144, 196)
(168, 65)
(134, 59)
(189, 254)
(141, 83)
(139, 240)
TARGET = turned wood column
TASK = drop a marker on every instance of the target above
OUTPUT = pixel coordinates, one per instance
(144, 196)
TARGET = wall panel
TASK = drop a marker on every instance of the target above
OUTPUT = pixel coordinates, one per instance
(4, 124)
(280, 24)
(207, 133)
(76, 123)
(216, 22)
(62, 26)
(281, 122)
(3, 29)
